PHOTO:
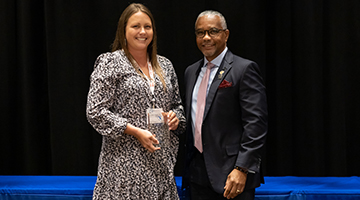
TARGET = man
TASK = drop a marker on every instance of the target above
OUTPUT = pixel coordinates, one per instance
(227, 117)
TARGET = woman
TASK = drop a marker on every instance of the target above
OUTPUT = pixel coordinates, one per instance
(124, 85)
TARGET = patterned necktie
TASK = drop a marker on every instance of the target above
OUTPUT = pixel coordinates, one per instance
(200, 107)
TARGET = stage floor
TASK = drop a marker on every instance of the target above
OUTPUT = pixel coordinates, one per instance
(275, 188)
(309, 188)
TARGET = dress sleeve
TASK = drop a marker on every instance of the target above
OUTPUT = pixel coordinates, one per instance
(101, 97)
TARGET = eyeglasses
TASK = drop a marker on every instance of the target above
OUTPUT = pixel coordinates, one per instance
(213, 32)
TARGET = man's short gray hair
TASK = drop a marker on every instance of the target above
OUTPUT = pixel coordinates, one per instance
(213, 13)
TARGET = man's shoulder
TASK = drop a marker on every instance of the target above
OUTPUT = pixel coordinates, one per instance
(194, 66)
(197, 63)
(237, 59)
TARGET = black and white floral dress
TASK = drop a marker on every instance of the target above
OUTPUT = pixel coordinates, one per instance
(119, 95)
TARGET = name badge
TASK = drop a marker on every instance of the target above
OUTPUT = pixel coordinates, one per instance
(154, 116)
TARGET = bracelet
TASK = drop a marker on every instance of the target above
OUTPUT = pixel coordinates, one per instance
(241, 169)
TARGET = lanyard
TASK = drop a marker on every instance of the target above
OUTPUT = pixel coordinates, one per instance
(151, 81)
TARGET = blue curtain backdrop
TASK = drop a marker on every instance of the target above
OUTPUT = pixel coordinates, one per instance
(308, 52)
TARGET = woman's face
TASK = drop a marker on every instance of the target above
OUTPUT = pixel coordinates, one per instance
(139, 32)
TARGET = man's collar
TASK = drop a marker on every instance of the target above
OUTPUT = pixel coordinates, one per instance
(217, 61)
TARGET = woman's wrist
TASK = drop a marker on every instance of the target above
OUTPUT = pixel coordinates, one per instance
(131, 130)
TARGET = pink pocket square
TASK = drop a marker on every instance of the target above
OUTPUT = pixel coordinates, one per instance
(225, 84)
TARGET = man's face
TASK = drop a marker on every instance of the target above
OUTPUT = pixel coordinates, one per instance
(211, 46)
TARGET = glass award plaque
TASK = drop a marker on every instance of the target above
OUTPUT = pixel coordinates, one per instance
(157, 125)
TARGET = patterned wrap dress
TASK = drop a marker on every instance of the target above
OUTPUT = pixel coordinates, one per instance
(119, 95)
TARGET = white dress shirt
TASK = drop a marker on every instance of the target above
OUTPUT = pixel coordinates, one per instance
(217, 61)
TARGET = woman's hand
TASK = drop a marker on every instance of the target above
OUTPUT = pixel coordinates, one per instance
(171, 119)
(146, 138)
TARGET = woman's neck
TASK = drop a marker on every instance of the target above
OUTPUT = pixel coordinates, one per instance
(140, 58)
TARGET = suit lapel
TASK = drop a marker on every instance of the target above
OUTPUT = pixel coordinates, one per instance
(224, 68)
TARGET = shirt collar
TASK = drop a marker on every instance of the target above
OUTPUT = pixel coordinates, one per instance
(217, 61)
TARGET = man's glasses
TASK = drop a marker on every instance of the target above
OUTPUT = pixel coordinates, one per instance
(213, 32)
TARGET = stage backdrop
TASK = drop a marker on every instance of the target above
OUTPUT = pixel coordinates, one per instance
(308, 52)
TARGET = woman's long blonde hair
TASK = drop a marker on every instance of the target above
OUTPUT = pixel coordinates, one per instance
(120, 39)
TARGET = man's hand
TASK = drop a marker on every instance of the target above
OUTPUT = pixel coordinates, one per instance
(235, 184)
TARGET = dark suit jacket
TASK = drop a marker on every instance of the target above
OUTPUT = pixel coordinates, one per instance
(235, 121)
